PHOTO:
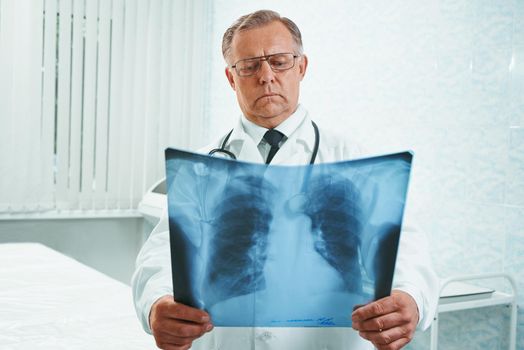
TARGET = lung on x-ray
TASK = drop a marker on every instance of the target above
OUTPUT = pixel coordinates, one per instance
(284, 246)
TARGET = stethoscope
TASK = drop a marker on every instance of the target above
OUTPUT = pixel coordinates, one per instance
(231, 155)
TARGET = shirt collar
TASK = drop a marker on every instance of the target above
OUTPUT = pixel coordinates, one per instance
(287, 127)
(256, 132)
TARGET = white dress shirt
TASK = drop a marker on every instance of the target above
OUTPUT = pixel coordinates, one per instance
(413, 271)
(287, 127)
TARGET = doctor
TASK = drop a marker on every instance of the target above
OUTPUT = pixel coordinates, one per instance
(265, 65)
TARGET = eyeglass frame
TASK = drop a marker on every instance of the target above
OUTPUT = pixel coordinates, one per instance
(265, 58)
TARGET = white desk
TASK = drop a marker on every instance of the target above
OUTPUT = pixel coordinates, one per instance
(50, 301)
(489, 299)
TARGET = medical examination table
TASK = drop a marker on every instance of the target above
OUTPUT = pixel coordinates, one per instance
(51, 301)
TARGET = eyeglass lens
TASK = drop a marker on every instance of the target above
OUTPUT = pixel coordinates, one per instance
(277, 62)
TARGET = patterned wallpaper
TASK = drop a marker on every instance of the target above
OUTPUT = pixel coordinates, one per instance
(445, 79)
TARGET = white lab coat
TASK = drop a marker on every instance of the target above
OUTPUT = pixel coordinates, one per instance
(413, 271)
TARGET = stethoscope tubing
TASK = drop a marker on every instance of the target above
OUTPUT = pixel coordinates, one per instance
(230, 154)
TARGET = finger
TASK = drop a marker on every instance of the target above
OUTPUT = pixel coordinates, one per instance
(181, 329)
(396, 345)
(166, 340)
(187, 313)
(377, 308)
(358, 306)
(170, 339)
(388, 336)
(381, 322)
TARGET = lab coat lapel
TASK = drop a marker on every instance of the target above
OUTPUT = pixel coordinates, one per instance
(248, 150)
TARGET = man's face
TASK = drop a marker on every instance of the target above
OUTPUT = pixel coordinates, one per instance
(266, 98)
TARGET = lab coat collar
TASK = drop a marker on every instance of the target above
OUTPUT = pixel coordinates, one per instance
(305, 133)
(291, 124)
(301, 135)
(246, 148)
(299, 145)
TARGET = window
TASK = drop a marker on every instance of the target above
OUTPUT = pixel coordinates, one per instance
(91, 92)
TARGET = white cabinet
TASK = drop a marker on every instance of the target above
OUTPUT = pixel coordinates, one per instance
(456, 294)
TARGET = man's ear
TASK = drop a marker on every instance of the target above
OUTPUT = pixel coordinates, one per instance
(302, 66)
(230, 78)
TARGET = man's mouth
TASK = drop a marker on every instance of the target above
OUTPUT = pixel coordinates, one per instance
(271, 94)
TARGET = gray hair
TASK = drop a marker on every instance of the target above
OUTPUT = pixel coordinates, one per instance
(255, 20)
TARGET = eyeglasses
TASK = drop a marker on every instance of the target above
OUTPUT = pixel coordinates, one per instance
(278, 62)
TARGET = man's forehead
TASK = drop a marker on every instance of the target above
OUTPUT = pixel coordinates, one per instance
(270, 38)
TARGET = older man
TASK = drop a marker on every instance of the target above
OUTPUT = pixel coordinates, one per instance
(265, 66)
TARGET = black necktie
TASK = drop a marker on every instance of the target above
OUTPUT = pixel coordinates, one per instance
(273, 137)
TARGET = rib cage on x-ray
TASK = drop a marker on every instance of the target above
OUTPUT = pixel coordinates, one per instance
(334, 207)
(239, 243)
(242, 223)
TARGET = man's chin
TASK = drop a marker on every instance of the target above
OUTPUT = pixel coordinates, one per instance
(270, 118)
(271, 110)
(273, 114)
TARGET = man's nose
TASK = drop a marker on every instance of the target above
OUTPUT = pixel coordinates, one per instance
(265, 73)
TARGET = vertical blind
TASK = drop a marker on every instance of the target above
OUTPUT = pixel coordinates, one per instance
(91, 92)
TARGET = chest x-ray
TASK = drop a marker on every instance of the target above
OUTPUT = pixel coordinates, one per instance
(283, 246)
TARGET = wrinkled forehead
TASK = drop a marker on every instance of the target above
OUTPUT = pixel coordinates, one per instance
(268, 39)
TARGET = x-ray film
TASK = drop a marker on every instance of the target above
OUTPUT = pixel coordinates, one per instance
(283, 246)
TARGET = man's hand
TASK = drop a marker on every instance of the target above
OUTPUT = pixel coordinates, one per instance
(175, 326)
(389, 323)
